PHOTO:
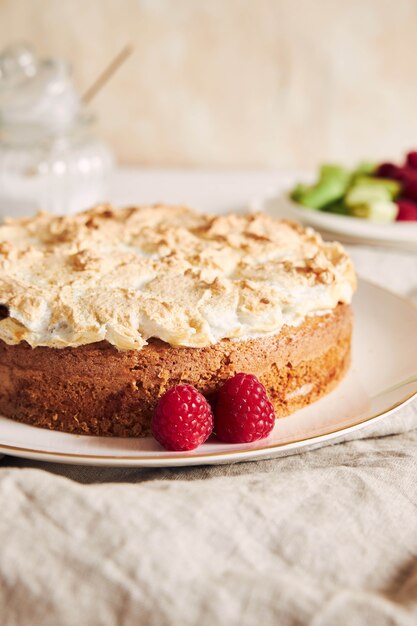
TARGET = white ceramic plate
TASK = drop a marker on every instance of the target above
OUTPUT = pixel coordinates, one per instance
(383, 376)
(349, 229)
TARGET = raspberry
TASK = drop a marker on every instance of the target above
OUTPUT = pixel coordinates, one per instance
(407, 211)
(412, 159)
(388, 170)
(410, 190)
(243, 411)
(407, 174)
(183, 419)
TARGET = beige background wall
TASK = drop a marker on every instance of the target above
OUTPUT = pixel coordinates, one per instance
(238, 82)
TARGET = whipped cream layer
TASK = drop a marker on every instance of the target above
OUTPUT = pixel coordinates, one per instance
(187, 278)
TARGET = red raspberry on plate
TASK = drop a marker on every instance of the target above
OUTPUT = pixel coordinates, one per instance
(410, 189)
(243, 412)
(183, 419)
(407, 211)
(388, 170)
(412, 159)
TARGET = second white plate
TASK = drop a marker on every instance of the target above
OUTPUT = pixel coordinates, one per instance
(348, 229)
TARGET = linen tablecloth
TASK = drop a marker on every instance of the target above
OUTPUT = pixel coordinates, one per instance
(327, 537)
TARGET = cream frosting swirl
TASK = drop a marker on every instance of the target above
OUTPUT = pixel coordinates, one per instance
(188, 278)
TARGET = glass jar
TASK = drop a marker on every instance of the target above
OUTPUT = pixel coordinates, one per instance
(60, 172)
(49, 157)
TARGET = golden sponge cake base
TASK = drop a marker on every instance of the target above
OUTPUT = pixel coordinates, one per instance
(97, 390)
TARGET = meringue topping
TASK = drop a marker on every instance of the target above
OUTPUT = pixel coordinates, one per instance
(188, 278)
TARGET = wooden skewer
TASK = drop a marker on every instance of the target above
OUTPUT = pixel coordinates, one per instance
(106, 74)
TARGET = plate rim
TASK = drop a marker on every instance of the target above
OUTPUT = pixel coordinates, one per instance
(185, 459)
(203, 459)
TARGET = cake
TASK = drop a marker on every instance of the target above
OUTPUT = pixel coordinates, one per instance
(103, 311)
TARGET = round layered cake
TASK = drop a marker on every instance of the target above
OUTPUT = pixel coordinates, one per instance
(103, 311)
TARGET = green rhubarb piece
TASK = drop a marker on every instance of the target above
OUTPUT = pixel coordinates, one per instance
(338, 208)
(372, 198)
(366, 191)
(364, 169)
(392, 187)
(298, 192)
(383, 211)
(365, 194)
(331, 186)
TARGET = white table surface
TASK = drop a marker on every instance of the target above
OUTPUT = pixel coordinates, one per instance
(210, 190)
(325, 537)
